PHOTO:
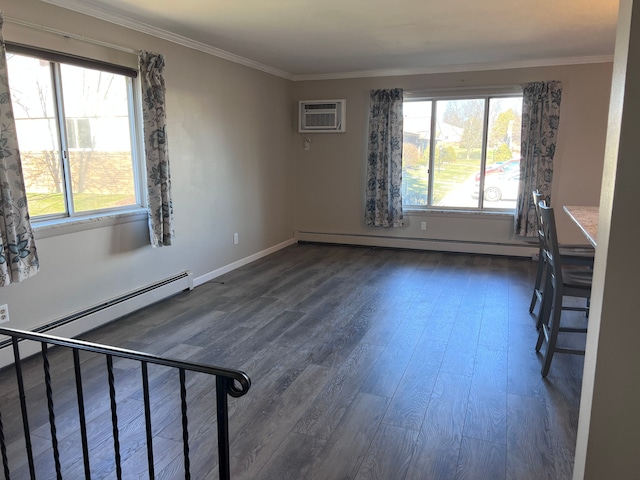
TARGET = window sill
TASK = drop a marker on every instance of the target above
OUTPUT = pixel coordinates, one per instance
(64, 226)
(418, 212)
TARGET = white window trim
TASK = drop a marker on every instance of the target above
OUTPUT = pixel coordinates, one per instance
(460, 93)
(71, 221)
(453, 211)
(55, 227)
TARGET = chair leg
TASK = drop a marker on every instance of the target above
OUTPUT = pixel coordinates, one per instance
(540, 339)
(543, 324)
(544, 314)
(554, 329)
(545, 305)
(536, 288)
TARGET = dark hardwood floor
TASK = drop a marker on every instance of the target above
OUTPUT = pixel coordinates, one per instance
(365, 363)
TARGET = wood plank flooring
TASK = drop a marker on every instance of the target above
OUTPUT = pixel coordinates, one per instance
(366, 364)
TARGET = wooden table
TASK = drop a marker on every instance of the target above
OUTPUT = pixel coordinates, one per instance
(587, 219)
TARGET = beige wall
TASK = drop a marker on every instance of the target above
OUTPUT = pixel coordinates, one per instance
(330, 176)
(231, 162)
(238, 165)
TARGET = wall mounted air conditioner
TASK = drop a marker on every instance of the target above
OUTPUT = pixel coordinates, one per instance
(322, 116)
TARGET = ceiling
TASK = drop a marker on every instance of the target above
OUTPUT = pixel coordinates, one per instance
(340, 38)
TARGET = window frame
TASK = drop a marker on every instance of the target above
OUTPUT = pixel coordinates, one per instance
(51, 223)
(485, 94)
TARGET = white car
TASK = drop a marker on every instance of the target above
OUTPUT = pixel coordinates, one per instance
(503, 186)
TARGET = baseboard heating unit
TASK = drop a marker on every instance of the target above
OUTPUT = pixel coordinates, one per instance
(104, 312)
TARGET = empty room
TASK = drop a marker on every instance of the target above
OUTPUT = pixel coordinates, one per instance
(302, 240)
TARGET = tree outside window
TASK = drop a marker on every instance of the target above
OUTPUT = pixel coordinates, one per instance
(74, 133)
(475, 147)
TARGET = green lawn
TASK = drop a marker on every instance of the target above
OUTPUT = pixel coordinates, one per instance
(446, 178)
(53, 203)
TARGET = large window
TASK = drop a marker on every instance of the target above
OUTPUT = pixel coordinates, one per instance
(455, 148)
(76, 131)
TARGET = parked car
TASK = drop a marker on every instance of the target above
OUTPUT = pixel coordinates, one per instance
(498, 187)
(501, 167)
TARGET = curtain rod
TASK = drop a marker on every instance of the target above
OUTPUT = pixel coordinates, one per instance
(64, 34)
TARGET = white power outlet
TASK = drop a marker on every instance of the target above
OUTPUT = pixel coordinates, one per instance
(423, 225)
(4, 313)
(235, 238)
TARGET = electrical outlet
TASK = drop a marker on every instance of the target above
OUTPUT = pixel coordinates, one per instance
(423, 225)
(235, 238)
(4, 313)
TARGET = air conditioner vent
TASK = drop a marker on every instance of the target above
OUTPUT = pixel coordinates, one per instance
(321, 106)
(322, 116)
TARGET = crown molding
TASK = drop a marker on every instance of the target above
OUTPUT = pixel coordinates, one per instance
(142, 27)
(467, 67)
(123, 21)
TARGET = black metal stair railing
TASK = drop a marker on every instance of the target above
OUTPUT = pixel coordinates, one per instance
(229, 382)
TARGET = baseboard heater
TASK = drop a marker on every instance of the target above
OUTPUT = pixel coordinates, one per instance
(122, 305)
(524, 249)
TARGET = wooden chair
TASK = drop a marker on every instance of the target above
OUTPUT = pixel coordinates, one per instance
(561, 282)
(571, 255)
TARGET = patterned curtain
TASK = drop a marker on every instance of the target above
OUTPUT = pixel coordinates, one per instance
(540, 121)
(18, 256)
(156, 148)
(384, 165)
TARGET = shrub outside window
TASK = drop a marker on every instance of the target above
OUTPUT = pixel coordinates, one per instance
(475, 147)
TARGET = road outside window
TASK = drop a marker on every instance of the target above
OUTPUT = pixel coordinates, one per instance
(455, 148)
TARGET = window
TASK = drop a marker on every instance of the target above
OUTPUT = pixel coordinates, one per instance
(454, 148)
(76, 129)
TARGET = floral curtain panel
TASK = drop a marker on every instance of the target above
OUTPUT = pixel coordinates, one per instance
(540, 121)
(384, 160)
(156, 148)
(18, 256)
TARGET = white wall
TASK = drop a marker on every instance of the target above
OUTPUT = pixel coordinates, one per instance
(330, 176)
(231, 161)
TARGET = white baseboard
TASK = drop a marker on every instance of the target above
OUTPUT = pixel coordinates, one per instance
(117, 308)
(109, 310)
(240, 263)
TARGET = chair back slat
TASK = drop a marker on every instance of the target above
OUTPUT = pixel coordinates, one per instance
(550, 241)
(537, 198)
